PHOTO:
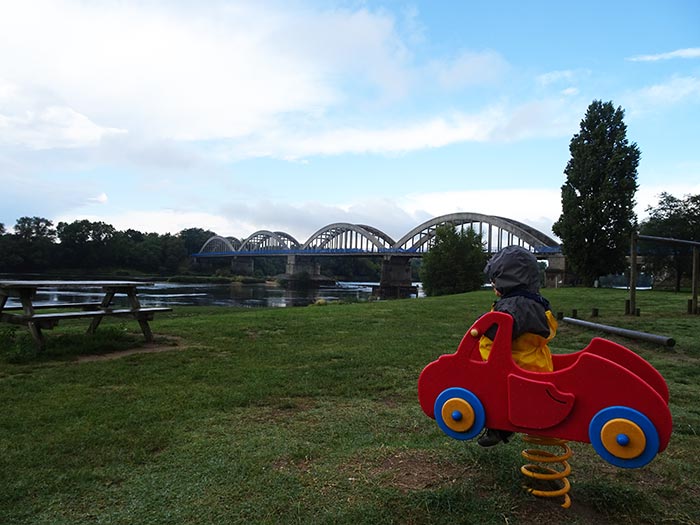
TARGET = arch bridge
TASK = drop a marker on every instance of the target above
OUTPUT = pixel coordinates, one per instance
(359, 239)
(345, 239)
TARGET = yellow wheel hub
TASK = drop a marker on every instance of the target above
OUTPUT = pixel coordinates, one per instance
(458, 414)
(623, 438)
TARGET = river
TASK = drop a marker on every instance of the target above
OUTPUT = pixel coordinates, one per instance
(231, 295)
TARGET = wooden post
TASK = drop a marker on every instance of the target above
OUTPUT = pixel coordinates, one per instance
(696, 271)
(633, 274)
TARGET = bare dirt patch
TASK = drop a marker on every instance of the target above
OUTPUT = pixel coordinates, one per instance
(409, 470)
(166, 345)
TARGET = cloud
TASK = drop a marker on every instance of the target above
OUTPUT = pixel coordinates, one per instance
(555, 77)
(161, 221)
(565, 79)
(691, 52)
(552, 117)
(228, 80)
(358, 47)
(469, 69)
(52, 127)
(99, 199)
(672, 92)
(191, 73)
(303, 219)
(24, 194)
(648, 194)
(537, 207)
(399, 138)
(547, 117)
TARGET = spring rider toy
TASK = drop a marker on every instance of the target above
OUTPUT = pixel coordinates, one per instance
(605, 395)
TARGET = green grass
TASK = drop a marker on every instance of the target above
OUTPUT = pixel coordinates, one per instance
(308, 415)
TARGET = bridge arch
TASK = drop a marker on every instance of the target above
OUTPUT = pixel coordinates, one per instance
(218, 244)
(263, 240)
(346, 236)
(497, 233)
(388, 241)
(292, 243)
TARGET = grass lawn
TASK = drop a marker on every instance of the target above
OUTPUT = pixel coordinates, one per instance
(308, 415)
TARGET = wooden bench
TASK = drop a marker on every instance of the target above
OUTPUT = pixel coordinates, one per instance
(54, 317)
(148, 312)
(37, 322)
(26, 313)
(84, 306)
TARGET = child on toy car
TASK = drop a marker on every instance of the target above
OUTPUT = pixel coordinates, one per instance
(515, 276)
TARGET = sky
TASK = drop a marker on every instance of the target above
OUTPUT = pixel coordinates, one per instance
(291, 115)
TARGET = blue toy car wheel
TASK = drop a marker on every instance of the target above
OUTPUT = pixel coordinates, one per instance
(624, 437)
(459, 413)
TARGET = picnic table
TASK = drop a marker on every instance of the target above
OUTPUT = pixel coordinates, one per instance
(47, 317)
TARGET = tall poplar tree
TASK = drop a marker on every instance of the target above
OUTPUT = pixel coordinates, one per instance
(598, 196)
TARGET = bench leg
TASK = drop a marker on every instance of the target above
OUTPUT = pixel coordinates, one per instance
(38, 336)
(94, 324)
(106, 301)
(146, 329)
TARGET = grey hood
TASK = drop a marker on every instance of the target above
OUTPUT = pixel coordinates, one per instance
(514, 268)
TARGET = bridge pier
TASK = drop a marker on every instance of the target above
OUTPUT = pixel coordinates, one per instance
(555, 274)
(303, 271)
(242, 266)
(297, 264)
(395, 281)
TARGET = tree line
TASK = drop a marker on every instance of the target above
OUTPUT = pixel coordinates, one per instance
(37, 246)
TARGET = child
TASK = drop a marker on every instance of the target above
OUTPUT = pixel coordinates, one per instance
(515, 276)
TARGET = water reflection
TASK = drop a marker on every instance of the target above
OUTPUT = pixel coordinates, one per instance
(232, 295)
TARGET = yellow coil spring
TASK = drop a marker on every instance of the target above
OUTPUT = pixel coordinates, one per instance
(547, 473)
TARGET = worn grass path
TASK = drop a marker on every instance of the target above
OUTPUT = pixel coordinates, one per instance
(308, 415)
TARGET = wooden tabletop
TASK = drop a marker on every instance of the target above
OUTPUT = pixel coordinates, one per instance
(69, 284)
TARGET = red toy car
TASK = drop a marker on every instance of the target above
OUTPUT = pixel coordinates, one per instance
(605, 395)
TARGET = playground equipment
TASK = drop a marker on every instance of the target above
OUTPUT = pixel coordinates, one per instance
(540, 469)
(605, 395)
(695, 286)
(624, 332)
